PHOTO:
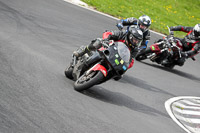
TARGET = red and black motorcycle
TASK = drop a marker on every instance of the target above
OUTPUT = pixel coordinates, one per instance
(99, 66)
(162, 49)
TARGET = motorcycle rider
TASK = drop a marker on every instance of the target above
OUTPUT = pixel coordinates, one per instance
(132, 40)
(144, 22)
(190, 44)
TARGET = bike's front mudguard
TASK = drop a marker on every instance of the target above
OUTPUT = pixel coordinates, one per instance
(95, 75)
(99, 67)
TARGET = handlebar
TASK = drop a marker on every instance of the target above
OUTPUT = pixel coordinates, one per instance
(106, 43)
(171, 43)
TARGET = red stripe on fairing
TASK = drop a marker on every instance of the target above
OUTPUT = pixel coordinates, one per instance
(101, 68)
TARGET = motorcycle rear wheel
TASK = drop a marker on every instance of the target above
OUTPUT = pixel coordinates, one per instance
(68, 72)
(89, 80)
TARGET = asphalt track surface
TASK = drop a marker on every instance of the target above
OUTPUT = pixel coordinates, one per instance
(37, 39)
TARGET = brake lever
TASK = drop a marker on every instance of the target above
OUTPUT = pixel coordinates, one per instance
(105, 44)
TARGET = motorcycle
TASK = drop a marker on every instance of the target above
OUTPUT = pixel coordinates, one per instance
(96, 67)
(163, 49)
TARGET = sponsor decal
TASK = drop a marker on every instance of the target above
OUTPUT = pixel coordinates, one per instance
(153, 48)
(116, 61)
(116, 55)
(122, 62)
(124, 67)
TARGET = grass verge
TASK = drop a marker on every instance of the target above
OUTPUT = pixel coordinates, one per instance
(162, 12)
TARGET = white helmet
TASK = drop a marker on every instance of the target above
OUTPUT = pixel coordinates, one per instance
(144, 22)
(196, 30)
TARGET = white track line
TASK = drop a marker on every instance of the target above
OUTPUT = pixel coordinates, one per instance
(186, 111)
(188, 120)
(168, 106)
(187, 107)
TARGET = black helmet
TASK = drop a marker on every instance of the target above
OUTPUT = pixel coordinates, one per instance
(144, 22)
(196, 30)
(135, 36)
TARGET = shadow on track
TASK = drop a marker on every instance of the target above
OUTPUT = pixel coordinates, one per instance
(143, 85)
(174, 71)
(120, 99)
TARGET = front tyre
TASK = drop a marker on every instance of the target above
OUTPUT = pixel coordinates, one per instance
(140, 57)
(89, 80)
(143, 55)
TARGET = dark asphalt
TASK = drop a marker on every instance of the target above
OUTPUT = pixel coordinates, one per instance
(37, 39)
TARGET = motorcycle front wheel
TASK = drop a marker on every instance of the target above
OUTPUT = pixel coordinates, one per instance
(88, 80)
(143, 55)
(140, 57)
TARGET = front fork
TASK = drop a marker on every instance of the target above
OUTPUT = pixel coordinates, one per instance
(74, 61)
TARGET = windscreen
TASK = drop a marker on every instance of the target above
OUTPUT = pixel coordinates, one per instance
(124, 52)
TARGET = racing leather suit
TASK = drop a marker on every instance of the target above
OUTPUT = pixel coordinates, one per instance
(133, 21)
(115, 36)
(190, 44)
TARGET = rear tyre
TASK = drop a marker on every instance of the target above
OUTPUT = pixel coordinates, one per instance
(68, 72)
(89, 80)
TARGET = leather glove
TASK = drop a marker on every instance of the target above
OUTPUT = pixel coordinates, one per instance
(171, 28)
(171, 33)
(120, 26)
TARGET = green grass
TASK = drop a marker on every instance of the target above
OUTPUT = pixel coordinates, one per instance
(162, 12)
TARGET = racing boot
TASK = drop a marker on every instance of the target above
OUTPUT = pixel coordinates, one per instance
(95, 44)
(81, 51)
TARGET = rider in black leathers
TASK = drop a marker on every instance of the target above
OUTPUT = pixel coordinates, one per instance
(132, 39)
(144, 22)
(190, 44)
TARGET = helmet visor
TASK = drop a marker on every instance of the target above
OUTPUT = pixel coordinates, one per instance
(143, 27)
(196, 33)
(196, 30)
(134, 41)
